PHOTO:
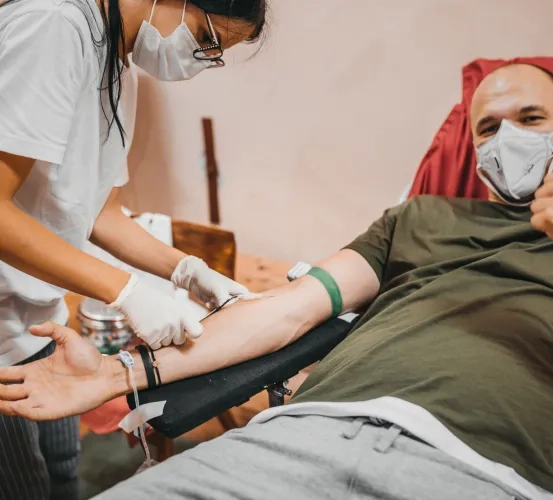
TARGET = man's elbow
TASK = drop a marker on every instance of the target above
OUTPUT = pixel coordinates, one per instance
(312, 306)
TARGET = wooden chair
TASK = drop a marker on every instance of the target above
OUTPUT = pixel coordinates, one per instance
(214, 245)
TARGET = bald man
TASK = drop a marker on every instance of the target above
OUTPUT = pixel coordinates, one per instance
(444, 390)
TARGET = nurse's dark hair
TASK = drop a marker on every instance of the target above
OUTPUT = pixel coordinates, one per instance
(250, 13)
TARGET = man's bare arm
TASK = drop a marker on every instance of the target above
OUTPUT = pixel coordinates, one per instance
(251, 329)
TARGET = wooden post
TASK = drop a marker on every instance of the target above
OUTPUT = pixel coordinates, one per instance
(212, 171)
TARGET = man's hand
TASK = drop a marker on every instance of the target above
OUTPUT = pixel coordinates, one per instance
(73, 380)
(211, 287)
(542, 208)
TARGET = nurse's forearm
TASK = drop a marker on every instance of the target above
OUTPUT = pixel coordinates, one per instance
(123, 238)
(30, 247)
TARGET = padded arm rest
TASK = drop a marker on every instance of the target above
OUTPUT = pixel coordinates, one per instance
(193, 401)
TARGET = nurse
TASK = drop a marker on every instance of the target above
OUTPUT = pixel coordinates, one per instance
(63, 145)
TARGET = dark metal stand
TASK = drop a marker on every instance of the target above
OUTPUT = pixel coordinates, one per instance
(277, 393)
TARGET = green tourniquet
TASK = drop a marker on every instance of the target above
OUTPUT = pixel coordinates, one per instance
(331, 287)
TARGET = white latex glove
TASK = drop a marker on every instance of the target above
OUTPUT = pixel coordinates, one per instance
(156, 317)
(209, 286)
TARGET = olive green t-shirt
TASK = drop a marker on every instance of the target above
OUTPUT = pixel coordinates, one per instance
(462, 326)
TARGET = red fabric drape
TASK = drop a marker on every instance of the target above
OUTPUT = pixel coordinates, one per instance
(449, 166)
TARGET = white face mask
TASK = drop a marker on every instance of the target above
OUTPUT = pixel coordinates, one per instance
(514, 162)
(168, 59)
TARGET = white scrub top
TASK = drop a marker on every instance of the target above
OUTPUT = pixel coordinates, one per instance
(50, 75)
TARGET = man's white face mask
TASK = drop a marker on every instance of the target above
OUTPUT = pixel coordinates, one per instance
(168, 59)
(514, 162)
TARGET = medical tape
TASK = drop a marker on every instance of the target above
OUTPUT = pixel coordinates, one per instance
(234, 299)
(349, 317)
(141, 415)
(253, 296)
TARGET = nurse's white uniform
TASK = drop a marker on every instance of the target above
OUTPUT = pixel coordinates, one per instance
(50, 75)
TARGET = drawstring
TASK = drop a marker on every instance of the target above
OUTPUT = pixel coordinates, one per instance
(385, 442)
(355, 428)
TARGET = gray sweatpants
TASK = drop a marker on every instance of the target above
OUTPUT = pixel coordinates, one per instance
(311, 458)
(38, 461)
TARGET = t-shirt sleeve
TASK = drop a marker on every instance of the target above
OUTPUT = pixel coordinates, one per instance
(123, 175)
(374, 244)
(41, 76)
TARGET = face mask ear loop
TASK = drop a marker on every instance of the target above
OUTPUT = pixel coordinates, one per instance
(183, 12)
(549, 156)
(152, 12)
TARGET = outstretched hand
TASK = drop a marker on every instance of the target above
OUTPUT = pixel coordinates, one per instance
(73, 380)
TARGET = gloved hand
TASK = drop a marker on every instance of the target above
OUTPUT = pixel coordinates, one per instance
(155, 317)
(209, 286)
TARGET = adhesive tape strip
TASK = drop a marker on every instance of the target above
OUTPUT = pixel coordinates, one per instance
(349, 317)
(139, 416)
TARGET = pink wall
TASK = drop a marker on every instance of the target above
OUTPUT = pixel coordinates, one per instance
(322, 130)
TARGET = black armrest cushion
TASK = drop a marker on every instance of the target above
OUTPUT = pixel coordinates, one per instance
(195, 400)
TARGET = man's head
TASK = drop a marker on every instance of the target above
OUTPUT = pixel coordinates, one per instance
(519, 93)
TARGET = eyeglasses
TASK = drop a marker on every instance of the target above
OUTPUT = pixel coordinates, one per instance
(212, 52)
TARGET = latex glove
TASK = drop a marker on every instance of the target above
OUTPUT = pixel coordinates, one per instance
(209, 286)
(157, 318)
